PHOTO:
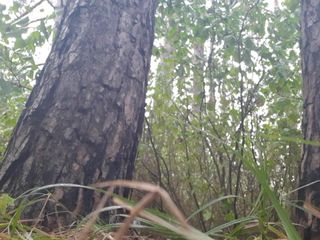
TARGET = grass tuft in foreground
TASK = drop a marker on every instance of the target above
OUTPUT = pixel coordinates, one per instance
(140, 222)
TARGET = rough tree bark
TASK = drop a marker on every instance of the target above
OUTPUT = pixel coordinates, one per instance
(84, 117)
(310, 163)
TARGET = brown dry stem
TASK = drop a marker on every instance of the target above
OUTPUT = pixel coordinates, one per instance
(94, 215)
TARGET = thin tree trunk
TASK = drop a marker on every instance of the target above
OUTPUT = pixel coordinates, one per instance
(198, 78)
(84, 117)
(310, 164)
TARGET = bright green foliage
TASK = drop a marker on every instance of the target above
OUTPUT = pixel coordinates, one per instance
(5, 202)
(22, 33)
(231, 103)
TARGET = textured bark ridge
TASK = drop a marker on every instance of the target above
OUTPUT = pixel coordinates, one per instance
(84, 117)
(310, 164)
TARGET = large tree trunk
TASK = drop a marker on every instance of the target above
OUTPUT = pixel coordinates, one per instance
(310, 164)
(84, 117)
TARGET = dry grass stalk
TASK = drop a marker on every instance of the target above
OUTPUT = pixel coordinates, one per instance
(148, 188)
(84, 234)
(134, 212)
(314, 211)
(189, 233)
(41, 213)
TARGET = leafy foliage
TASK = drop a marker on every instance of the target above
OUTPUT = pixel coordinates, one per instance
(22, 34)
(226, 89)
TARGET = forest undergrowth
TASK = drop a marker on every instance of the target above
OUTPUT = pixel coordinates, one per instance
(135, 220)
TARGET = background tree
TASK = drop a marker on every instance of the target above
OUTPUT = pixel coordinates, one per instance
(310, 163)
(83, 119)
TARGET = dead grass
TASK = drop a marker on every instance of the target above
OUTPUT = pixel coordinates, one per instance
(88, 230)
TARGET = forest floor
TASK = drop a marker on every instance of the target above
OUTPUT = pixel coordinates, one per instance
(147, 227)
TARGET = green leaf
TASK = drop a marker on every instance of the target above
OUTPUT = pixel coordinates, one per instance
(262, 177)
(19, 43)
(5, 202)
